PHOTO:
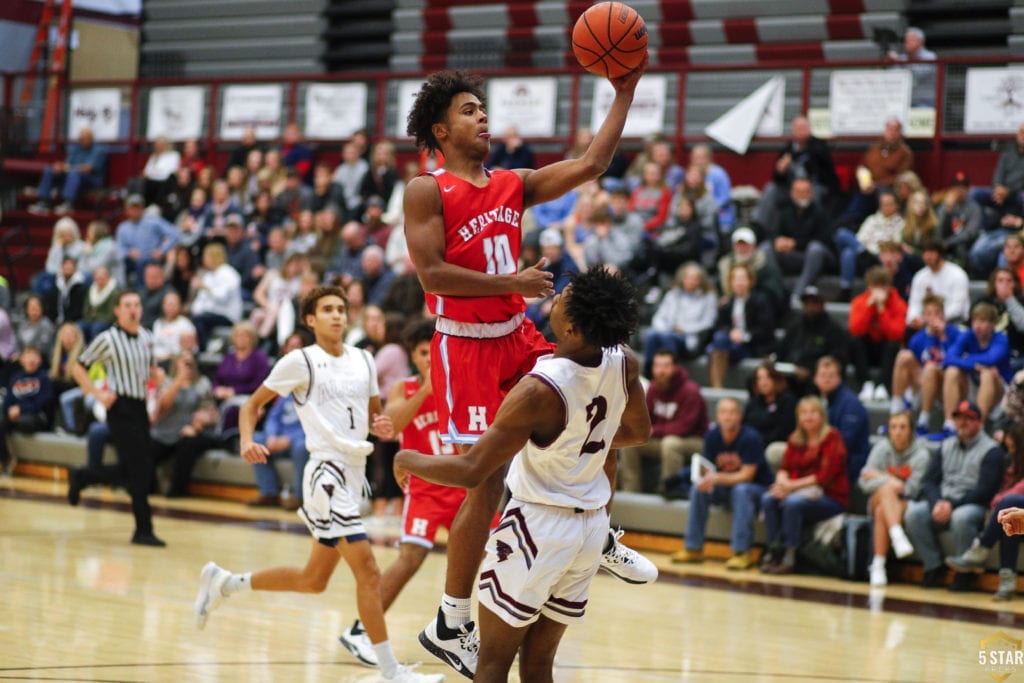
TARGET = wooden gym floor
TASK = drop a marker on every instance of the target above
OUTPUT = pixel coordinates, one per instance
(82, 604)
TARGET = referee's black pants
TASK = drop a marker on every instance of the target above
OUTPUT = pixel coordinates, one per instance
(129, 430)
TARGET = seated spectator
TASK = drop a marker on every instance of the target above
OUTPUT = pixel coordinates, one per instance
(740, 479)
(766, 271)
(745, 326)
(296, 154)
(348, 178)
(810, 337)
(922, 89)
(324, 192)
(561, 268)
(277, 250)
(36, 329)
(84, 168)
(154, 287)
(28, 403)
(101, 250)
(679, 419)
(218, 294)
(295, 196)
(977, 364)
(920, 222)
(241, 256)
(342, 256)
(1013, 254)
(263, 220)
(845, 413)
(705, 209)
(879, 168)
(237, 183)
(168, 328)
(1011, 495)
(901, 266)
(67, 243)
(554, 213)
(623, 220)
(182, 408)
(274, 296)
(771, 410)
(241, 372)
(162, 164)
(892, 475)
(175, 193)
(98, 309)
(918, 369)
(511, 152)
(1004, 196)
(800, 245)
(1004, 293)
(811, 485)
(68, 345)
(938, 277)
(190, 221)
(240, 155)
(303, 235)
(961, 480)
(859, 252)
(355, 294)
(960, 217)
(182, 266)
(377, 277)
(192, 156)
(680, 239)
(878, 320)
(721, 186)
(661, 154)
(607, 245)
(65, 302)
(685, 317)
(382, 176)
(220, 206)
(143, 238)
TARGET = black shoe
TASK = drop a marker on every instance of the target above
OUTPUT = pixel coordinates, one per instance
(934, 578)
(962, 583)
(74, 486)
(772, 556)
(147, 539)
(845, 295)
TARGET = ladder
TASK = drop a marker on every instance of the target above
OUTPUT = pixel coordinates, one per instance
(57, 58)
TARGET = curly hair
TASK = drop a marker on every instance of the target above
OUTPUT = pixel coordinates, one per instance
(308, 304)
(603, 306)
(433, 100)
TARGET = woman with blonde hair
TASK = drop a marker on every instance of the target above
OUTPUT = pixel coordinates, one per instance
(919, 222)
(686, 316)
(811, 485)
(218, 293)
(68, 345)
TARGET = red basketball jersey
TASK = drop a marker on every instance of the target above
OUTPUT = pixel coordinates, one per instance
(421, 434)
(482, 232)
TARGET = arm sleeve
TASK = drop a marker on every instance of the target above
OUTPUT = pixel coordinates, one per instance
(833, 461)
(1015, 310)
(98, 351)
(893, 320)
(919, 462)
(860, 316)
(875, 462)
(989, 478)
(290, 374)
(953, 354)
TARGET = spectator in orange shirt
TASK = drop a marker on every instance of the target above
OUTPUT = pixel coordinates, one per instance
(877, 324)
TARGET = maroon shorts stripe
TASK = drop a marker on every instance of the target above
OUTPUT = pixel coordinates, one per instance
(489, 582)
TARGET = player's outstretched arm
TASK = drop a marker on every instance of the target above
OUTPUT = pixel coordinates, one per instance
(554, 180)
(635, 425)
(424, 233)
(248, 416)
(530, 409)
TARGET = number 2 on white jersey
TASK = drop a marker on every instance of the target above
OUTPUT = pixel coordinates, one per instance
(499, 255)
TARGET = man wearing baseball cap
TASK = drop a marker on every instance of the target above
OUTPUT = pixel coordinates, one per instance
(961, 480)
(143, 238)
(769, 277)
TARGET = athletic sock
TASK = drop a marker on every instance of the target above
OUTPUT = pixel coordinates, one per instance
(237, 582)
(922, 419)
(878, 560)
(456, 611)
(896, 405)
(386, 659)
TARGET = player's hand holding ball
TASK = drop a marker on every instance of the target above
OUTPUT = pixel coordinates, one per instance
(610, 40)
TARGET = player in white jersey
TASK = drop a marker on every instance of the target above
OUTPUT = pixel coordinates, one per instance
(566, 416)
(336, 394)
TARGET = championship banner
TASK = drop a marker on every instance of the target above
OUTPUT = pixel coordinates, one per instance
(176, 113)
(646, 115)
(99, 110)
(528, 104)
(407, 91)
(994, 101)
(250, 106)
(335, 110)
(861, 101)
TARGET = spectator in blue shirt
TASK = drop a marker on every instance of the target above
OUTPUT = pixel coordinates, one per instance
(847, 414)
(512, 152)
(978, 359)
(740, 478)
(561, 267)
(84, 168)
(918, 368)
(143, 238)
(28, 403)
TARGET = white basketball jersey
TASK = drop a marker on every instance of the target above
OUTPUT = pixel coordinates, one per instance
(332, 396)
(569, 472)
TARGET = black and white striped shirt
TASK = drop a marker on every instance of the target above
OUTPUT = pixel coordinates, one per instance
(127, 359)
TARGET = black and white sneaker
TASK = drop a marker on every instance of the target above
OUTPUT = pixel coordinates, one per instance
(625, 563)
(358, 643)
(458, 648)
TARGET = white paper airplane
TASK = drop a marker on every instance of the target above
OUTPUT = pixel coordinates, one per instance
(758, 113)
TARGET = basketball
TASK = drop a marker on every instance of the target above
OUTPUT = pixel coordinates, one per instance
(610, 39)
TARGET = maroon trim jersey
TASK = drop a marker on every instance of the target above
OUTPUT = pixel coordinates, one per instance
(483, 232)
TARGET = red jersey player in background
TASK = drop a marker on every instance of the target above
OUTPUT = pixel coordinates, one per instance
(463, 228)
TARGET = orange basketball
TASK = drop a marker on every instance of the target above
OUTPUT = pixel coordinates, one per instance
(610, 39)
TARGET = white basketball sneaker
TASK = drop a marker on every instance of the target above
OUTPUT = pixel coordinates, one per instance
(211, 583)
(625, 563)
(358, 643)
(458, 648)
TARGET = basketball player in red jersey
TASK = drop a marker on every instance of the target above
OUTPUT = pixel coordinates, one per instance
(463, 228)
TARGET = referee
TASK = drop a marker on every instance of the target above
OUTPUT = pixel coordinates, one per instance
(126, 352)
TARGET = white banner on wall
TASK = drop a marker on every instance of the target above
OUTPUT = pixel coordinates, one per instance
(176, 113)
(646, 115)
(861, 101)
(255, 106)
(407, 91)
(98, 109)
(994, 102)
(335, 110)
(528, 104)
